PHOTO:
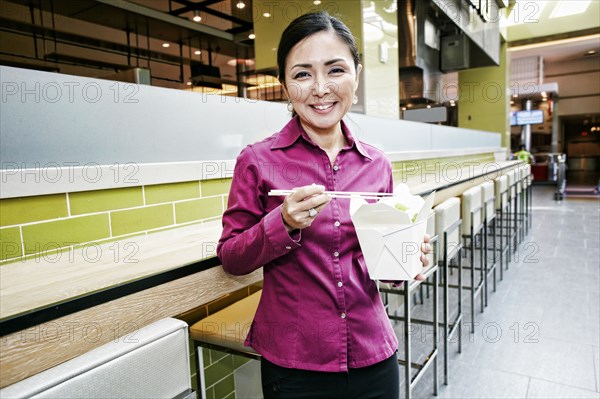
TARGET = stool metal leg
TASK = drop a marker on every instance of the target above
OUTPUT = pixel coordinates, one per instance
(472, 270)
(407, 351)
(445, 304)
(435, 329)
(199, 370)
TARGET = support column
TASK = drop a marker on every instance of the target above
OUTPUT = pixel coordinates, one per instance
(484, 98)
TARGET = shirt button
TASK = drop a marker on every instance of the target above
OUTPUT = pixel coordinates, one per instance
(340, 284)
(343, 315)
(337, 223)
(336, 254)
(336, 168)
(288, 247)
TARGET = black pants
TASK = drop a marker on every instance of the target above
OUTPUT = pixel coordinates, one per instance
(379, 381)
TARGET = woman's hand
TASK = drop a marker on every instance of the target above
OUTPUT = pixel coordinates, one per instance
(425, 250)
(300, 208)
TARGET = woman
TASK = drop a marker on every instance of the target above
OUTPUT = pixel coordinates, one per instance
(321, 327)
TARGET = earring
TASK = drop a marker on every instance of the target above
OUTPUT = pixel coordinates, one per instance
(290, 107)
(355, 100)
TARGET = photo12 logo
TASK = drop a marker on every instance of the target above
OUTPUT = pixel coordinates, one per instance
(71, 92)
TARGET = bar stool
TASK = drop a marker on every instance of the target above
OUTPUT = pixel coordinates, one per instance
(501, 204)
(529, 198)
(224, 331)
(525, 171)
(472, 227)
(489, 217)
(511, 222)
(520, 212)
(409, 287)
(447, 227)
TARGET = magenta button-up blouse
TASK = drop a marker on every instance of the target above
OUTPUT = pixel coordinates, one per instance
(318, 310)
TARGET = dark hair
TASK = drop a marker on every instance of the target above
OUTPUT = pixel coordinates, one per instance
(307, 25)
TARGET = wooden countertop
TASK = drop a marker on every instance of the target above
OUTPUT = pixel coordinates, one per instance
(55, 278)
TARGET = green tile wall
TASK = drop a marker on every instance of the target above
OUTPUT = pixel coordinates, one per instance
(104, 200)
(203, 208)
(225, 388)
(10, 243)
(171, 192)
(31, 209)
(147, 218)
(50, 235)
(215, 187)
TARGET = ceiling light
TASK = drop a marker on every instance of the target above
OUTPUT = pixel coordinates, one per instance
(317, 2)
(251, 36)
(197, 17)
(165, 45)
(591, 52)
(266, 15)
(240, 61)
(240, 5)
(197, 52)
(571, 7)
(429, 106)
(544, 94)
(403, 108)
(189, 83)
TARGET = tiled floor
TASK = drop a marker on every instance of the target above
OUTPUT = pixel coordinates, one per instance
(539, 337)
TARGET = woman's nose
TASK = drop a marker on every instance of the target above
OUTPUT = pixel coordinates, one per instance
(322, 87)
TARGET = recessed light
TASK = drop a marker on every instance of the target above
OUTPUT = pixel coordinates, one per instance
(591, 52)
(189, 83)
(251, 36)
(166, 45)
(266, 15)
(197, 52)
(317, 2)
(240, 5)
(429, 106)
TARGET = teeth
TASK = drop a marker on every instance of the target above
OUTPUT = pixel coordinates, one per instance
(322, 107)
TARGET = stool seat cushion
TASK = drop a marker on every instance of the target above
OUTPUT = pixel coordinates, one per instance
(487, 195)
(151, 362)
(512, 181)
(446, 214)
(228, 327)
(471, 204)
(500, 191)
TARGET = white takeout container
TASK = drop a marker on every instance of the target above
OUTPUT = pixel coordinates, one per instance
(389, 240)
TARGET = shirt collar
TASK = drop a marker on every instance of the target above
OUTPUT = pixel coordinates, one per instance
(293, 130)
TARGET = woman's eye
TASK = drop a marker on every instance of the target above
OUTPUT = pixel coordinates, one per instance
(337, 70)
(301, 75)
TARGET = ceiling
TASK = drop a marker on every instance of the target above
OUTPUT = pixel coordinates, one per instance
(560, 50)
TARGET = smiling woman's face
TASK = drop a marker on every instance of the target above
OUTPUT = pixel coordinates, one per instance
(321, 81)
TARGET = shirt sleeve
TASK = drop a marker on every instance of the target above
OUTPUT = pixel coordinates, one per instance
(251, 236)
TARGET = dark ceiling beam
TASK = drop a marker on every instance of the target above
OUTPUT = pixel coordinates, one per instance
(189, 6)
(9, 25)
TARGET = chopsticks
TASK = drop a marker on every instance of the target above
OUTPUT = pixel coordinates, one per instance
(339, 194)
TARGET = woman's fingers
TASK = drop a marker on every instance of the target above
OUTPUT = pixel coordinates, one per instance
(300, 208)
